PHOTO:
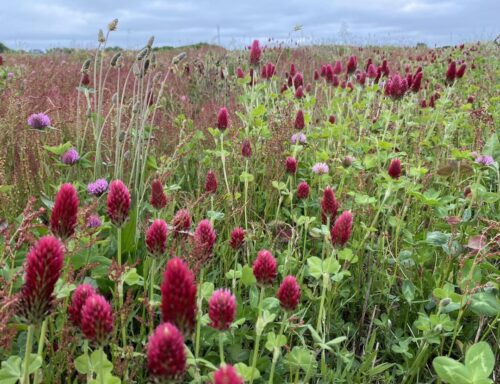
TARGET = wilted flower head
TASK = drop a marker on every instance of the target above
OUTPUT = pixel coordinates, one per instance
(64, 215)
(42, 270)
(485, 160)
(331, 119)
(394, 169)
(246, 148)
(156, 238)
(222, 309)
(70, 157)
(223, 119)
(289, 293)
(178, 296)
(265, 267)
(98, 187)
(226, 374)
(158, 199)
(237, 238)
(39, 120)
(211, 183)
(181, 222)
(341, 231)
(299, 138)
(291, 165)
(97, 319)
(299, 120)
(118, 202)
(166, 352)
(320, 168)
(347, 161)
(80, 295)
(255, 53)
(93, 221)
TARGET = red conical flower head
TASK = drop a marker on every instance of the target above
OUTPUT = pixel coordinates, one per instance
(42, 270)
(329, 205)
(118, 202)
(289, 293)
(299, 120)
(303, 190)
(255, 53)
(181, 222)
(341, 231)
(204, 238)
(352, 64)
(394, 169)
(223, 119)
(226, 374)
(80, 295)
(166, 352)
(97, 319)
(178, 296)
(246, 148)
(461, 70)
(291, 165)
(222, 309)
(237, 238)
(156, 238)
(64, 215)
(265, 267)
(211, 183)
(159, 199)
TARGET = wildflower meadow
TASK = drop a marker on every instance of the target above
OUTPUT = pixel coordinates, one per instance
(276, 214)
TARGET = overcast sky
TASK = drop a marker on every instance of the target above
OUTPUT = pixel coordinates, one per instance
(42, 24)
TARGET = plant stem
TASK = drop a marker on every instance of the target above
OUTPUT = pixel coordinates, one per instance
(221, 347)
(326, 277)
(277, 351)
(27, 354)
(258, 333)
(41, 343)
(101, 364)
(120, 287)
(223, 158)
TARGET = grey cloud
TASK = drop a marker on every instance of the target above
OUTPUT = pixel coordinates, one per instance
(48, 23)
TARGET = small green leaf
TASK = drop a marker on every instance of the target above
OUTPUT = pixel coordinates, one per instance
(246, 177)
(408, 291)
(274, 341)
(247, 276)
(246, 372)
(451, 371)
(83, 364)
(479, 359)
(131, 277)
(58, 149)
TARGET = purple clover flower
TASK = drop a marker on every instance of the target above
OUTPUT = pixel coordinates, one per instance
(299, 138)
(98, 187)
(94, 221)
(320, 168)
(485, 160)
(39, 120)
(70, 157)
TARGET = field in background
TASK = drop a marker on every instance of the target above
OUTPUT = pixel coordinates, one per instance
(396, 276)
